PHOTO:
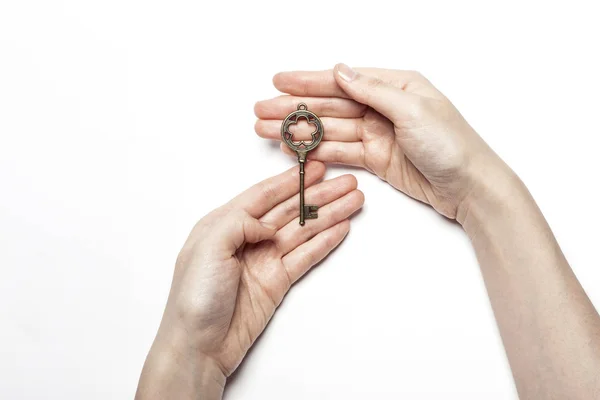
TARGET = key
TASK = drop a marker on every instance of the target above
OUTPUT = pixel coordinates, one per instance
(301, 148)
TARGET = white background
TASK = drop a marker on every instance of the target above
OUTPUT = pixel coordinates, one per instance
(123, 122)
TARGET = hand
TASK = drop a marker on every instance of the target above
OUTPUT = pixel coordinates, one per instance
(234, 270)
(393, 123)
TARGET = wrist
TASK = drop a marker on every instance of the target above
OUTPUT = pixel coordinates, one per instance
(176, 369)
(495, 191)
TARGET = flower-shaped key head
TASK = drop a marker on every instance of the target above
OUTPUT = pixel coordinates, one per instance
(302, 147)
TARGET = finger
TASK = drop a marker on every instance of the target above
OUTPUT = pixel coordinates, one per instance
(319, 194)
(238, 227)
(263, 196)
(256, 231)
(280, 107)
(336, 153)
(386, 98)
(305, 256)
(293, 235)
(323, 83)
(338, 129)
(308, 83)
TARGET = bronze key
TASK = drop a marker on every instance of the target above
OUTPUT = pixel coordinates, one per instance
(301, 148)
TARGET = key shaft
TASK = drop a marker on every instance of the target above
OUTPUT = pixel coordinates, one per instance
(302, 193)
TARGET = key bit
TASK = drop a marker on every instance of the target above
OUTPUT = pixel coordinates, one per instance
(310, 211)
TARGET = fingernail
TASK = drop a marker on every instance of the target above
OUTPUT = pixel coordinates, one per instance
(345, 72)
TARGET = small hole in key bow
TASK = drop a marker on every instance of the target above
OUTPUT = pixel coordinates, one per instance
(303, 130)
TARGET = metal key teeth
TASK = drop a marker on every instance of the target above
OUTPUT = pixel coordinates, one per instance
(310, 212)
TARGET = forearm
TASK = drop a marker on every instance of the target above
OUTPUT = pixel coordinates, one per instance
(174, 370)
(550, 329)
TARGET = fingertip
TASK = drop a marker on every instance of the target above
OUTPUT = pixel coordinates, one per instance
(265, 109)
(278, 79)
(344, 73)
(344, 226)
(336, 69)
(352, 180)
(265, 129)
(275, 78)
(360, 196)
(257, 108)
(346, 182)
(258, 127)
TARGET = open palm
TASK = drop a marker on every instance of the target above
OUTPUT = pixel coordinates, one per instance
(241, 259)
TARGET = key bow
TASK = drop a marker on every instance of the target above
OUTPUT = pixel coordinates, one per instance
(301, 147)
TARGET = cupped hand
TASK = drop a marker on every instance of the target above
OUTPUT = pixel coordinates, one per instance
(241, 259)
(393, 123)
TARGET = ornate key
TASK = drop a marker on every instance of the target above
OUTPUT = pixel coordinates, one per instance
(301, 148)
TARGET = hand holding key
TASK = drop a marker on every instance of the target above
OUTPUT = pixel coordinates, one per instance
(234, 270)
(302, 148)
(395, 124)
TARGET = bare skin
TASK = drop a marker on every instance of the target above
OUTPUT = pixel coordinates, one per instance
(232, 273)
(398, 126)
(395, 124)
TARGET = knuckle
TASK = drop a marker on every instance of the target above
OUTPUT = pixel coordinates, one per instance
(308, 258)
(374, 83)
(328, 106)
(316, 196)
(330, 241)
(336, 213)
(290, 208)
(362, 157)
(338, 155)
(304, 86)
(267, 190)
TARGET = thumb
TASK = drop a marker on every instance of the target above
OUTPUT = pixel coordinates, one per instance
(256, 231)
(239, 227)
(385, 98)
